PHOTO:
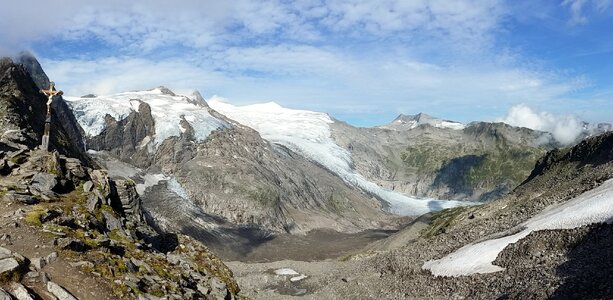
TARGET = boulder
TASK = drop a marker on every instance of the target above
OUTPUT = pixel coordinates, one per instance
(20, 292)
(112, 222)
(38, 262)
(13, 196)
(71, 244)
(43, 182)
(93, 202)
(59, 291)
(4, 295)
(8, 266)
(88, 186)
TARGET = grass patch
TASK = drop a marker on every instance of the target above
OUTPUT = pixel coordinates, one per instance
(34, 216)
(441, 221)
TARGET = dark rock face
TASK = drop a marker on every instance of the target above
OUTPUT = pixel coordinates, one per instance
(592, 151)
(124, 138)
(24, 112)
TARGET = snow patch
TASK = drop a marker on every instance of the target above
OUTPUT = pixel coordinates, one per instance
(594, 206)
(286, 271)
(308, 133)
(166, 110)
(298, 278)
(149, 181)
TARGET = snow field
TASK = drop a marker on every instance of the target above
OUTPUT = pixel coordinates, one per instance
(594, 206)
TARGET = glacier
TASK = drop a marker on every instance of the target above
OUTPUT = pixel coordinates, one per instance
(167, 111)
(308, 133)
(593, 206)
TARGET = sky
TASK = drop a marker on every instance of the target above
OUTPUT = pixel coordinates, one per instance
(363, 62)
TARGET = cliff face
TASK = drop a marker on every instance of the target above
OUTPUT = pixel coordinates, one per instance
(24, 111)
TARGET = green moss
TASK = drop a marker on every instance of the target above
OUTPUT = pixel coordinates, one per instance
(441, 221)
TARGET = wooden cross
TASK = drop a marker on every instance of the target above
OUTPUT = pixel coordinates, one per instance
(49, 93)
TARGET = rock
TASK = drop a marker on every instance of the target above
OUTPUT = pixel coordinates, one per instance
(75, 168)
(59, 291)
(88, 186)
(38, 262)
(132, 268)
(71, 244)
(13, 196)
(82, 264)
(50, 215)
(8, 266)
(129, 200)
(16, 153)
(93, 202)
(44, 277)
(51, 258)
(43, 182)
(20, 292)
(112, 222)
(4, 295)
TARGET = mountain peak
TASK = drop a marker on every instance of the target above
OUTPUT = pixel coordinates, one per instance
(406, 122)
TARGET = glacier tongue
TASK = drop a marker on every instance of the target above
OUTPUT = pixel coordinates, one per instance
(166, 109)
(308, 133)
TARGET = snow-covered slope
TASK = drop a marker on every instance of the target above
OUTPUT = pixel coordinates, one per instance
(167, 110)
(406, 122)
(308, 133)
(594, 206)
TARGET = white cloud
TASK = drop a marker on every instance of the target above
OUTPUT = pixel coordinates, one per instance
(339, 56)
(564, 128)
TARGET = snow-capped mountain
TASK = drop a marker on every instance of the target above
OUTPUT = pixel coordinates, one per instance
(168, 110)
(308, 133)
(406, 122)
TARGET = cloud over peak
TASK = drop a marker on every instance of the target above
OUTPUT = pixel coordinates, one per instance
(564, 128)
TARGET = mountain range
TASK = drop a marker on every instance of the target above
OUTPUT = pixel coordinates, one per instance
(165, 168)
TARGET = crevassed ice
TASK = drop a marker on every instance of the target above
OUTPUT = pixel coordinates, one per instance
(308, 133)
(166, 110)
(594, 206)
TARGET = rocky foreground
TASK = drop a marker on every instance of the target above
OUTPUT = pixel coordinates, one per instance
(69, 231)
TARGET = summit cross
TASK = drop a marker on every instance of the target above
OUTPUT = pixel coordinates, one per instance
(49, 93)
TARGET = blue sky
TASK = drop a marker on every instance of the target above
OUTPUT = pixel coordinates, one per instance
(364, 62)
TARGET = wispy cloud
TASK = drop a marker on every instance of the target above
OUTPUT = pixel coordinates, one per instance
(577, 9)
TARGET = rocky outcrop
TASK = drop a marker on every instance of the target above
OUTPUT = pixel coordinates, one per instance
(114, 226)
(127, 139)
(24, 111)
